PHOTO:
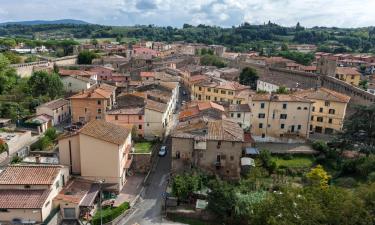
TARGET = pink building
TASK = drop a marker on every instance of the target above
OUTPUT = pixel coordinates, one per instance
(109, 74)
(128, 116)
(145, 52)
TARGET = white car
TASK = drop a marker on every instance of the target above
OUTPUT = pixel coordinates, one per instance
(163, 150)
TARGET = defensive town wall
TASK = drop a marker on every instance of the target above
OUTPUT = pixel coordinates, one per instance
(26, 69)
(312, 80)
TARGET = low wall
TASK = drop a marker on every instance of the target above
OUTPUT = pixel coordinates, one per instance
(141, 162)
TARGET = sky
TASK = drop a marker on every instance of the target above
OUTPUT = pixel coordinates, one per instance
(226, 13)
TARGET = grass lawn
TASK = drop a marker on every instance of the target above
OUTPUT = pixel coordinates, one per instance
(295, 162)
(189, 221)
(143, 147)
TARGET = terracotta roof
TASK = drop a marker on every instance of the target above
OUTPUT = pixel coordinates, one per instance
(323, 94)
(23, 199)
(74, 191)
(209, 105)
(82, 73)
(347, 71)
(127, 111)
(105, 131)
(189, 113)
(55, 104)
(239, 108)
(98, 92)
(147, 74)
(156, 106)
(29, 175)
(197, 78)
(279, 98)
(219, 130)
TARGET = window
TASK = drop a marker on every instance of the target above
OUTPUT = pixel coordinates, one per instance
(223, 92)
(319, 119)
(99, 102)
(330, 120)
(231, 158)
(312, 118)
(284, 105)
(85, 110)
(99, 111)
(352, 77)
(327, 103)
(70, 84)
(305, 108)
(209, 89)
(260, 125)
(331, 111)
(139, 117)
(232, 115)
(116, 117)
(27, 186)
(262, 105)
(215, 98)
(283, 116)
(263, 135)
(140, 127)
(47, 204)
(4, 210)
(299, 127)
(218, 144)
(298, 108)
(313, 109)
(282, 126)
(216, 91)
(200, 88)
(230, 92)
(238, 115)
(261, 115)
(148, 124)
(321, 110)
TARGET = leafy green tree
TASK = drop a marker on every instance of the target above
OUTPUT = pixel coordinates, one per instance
(282, 90)
(41, 83)
(363, 84)
(249, 77)
(221, 199)
(13, 57)
(86, 57)
(8, 76)
(183, 185)
(212, 60)
(320, 146)
(3, 146)
(284, 47)
(51, 133)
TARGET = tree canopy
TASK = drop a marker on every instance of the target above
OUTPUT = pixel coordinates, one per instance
(249, 77)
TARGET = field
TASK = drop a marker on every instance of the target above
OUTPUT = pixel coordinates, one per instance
(143, 147)
(294, 162)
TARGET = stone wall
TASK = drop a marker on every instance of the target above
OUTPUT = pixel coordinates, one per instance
(141, 162)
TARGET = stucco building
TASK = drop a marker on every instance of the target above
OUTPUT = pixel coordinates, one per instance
(328, 110)
(58, 109)
(99, 150)
(27, 191)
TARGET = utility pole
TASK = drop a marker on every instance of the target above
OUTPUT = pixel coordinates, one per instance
(100, 200)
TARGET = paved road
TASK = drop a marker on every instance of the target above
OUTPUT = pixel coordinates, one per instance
(149, 209)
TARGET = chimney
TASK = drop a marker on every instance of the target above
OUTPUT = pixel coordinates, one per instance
(37, 159)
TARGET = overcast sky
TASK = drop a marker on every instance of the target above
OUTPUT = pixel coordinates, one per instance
(340, 13)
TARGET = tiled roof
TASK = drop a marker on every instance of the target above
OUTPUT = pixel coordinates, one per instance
(74, 191)
(23, 199)
(197, 78)
(323, 94)
(147, 74)
(99, 92)
(127, 111)
(55, 104)
(83, 73)
(156, 106)
(218, 130)
(239, 108)
(347, 71)
(29, 175)
(188, 113)
(279, 98)
(209, 105)
(105, 131)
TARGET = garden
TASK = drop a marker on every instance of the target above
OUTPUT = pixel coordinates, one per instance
(143, 146)
(109, 213)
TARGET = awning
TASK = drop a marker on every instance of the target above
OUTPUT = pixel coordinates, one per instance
(246, 161)
(251, 151)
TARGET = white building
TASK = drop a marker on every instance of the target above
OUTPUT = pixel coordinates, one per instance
(57, 109)
(75, 84)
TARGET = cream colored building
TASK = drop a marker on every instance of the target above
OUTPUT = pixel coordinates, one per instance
(221, 91)
(58, 109)
(328, 110)
(27, 191)
(98, 151)
(280, 118)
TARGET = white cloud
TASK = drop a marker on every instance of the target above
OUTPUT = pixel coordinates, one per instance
(342, 13)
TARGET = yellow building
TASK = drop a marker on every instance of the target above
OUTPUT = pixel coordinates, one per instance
(221, 91)
(328, 109)
(280, 118)
(349, 75)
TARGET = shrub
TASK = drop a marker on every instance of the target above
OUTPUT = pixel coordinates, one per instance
(320, 146)
(346, 182)
(371, 177)
(51, 133)
(109, 214)
(287, 157)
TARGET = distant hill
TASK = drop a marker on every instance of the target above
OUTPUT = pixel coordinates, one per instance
(42, 22)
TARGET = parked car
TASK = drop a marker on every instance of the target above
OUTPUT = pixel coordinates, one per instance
(163, 150)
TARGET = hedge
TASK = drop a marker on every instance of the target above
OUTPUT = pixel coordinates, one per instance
(109, 213)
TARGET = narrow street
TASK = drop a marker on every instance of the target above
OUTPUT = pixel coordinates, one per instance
(149, 208)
